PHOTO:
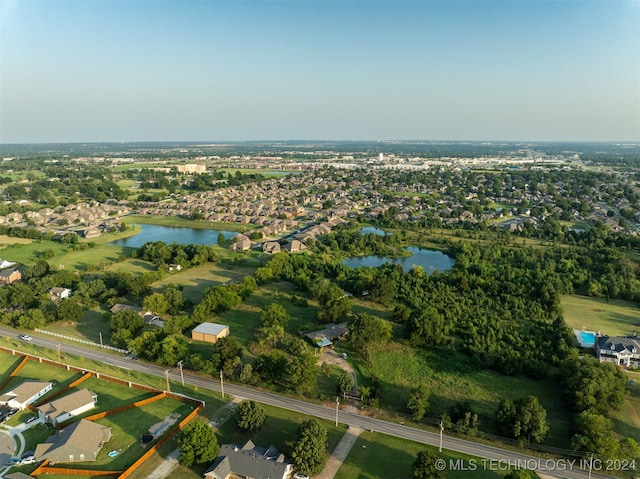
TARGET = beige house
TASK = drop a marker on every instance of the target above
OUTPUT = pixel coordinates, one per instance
(241, 243)
(79, 442)
(25, 393)
(209, 332)
(60, 410)
(271, 247)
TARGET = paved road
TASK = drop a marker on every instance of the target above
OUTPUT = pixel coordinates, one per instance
(493, 458)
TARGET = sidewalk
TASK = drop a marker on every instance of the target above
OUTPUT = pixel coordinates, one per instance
(340, 453)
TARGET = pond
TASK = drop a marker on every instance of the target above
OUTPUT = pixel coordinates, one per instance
(170, 234)
(429, 260)
(372, 229)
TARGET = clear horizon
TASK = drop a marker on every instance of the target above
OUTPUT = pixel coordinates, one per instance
(99, 71)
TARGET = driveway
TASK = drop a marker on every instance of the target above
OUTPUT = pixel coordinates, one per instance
(7, 447)
(329, 356)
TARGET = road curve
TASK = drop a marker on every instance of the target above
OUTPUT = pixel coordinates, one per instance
(493, 458)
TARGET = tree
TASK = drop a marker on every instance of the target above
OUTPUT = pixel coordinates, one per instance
(226, 353)
(345, 383)
(222, 241)
(310, 449)
(274, 313)
(156, 303)
(198, 444)
(366, 330)
(521, 474)
(524, 418)
(594, 434)
(250, 416)
(303, 373)
(69, 310)
(418, 402)
(424, 467)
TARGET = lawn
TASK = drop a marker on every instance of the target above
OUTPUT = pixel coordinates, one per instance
(92, 323)
(378, 456)
(280, 430)
(626, 421)
(244, 320)
(195, 280)
(615, 317)
(453, 377)
(10, 240)
(186, 223)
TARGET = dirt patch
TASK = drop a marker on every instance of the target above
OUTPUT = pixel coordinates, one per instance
(595, 310)
(158, 428)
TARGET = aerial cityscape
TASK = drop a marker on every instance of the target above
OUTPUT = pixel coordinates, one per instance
(320, 239)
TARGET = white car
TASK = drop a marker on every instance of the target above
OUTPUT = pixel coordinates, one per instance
(300, 476)
(25, 337)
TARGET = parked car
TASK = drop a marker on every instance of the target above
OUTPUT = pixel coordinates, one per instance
(300, 476)
(30, 419)
(24, 337)
(12, 412)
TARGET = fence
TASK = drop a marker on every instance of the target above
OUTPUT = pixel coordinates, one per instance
(82, 341)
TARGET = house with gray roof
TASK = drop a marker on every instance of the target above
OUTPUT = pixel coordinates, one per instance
(249, 462)
(79, 442)
(60, 410)
(622, 351)
(25, 393)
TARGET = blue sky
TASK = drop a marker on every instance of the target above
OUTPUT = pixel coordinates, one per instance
(136, 70)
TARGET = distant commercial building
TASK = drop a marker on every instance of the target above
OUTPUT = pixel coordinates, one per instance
(191, 168)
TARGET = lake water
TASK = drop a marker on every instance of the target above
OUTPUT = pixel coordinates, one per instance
(374, 230)
(170, 234)
(429, 260)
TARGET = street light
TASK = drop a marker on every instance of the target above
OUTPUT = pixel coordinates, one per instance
(166, 375)
(180, 363)
(221, 384)
(337, 404)
(441, 429)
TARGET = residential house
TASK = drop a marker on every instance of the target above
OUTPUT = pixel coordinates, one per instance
(622, 351)
(250, 462)
(25, 393)
(4, 264)
(67, 407)
(116, 308)
(240, 243)
(10, 275)
(294, 246)
(209, 332)
(56, 294)
(271, 247)
(79, 442)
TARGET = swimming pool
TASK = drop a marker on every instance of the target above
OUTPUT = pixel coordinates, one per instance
(587, 339)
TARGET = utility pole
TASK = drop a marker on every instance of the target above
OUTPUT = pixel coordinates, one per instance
(441, 430)
(337, 404)
(166, 375)
(221, 384)
(101, 345)
(58, 348)
(590, 465)
(180, 363)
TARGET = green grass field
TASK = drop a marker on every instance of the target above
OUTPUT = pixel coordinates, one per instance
(378, 456)
(615, 317)
(195, 280)
(244, 320)
(185, 223)
(453, 377)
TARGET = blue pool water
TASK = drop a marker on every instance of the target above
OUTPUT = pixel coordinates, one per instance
(587, 338)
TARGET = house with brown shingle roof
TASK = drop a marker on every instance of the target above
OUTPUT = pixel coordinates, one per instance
(79, 442)
(67, 407)
(25, 393)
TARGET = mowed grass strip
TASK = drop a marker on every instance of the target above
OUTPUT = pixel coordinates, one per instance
(452, 377)
(615, 317)
(378, 456)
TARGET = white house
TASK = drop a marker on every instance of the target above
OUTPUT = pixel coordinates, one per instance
(622, 351)
(25, 393)
(56, 294)
(71, 405)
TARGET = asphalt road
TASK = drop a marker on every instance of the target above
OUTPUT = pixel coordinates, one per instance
(492, 458)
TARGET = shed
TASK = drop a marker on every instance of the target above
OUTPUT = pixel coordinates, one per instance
(210, 332)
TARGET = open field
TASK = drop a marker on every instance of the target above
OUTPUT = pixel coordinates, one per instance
(9, 240)
(615, 317)
(195, 280)
(244, 320)
(453, 377)
(378, 456)
(626, 422)
(89, 327)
